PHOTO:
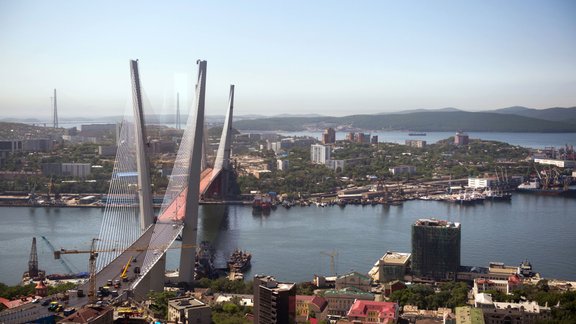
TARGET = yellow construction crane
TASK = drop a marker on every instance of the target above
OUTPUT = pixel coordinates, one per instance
(94, 254)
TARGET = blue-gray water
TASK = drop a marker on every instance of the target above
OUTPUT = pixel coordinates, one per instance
(532, 140)
(290, 243)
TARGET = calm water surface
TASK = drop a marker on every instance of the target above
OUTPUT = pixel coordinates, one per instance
(290, 244)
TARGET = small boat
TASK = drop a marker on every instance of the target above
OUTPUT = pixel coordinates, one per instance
(262, 202)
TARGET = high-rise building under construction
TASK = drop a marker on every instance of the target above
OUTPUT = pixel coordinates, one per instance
(435, 249)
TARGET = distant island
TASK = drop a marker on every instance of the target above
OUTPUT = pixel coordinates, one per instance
(511, 119)
(514, 119)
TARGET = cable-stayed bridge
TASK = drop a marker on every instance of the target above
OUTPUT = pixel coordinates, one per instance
(132, 242)
(132, 238)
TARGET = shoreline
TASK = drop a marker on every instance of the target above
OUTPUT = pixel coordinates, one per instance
(228, 202)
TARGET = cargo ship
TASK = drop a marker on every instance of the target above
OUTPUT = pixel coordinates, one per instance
(239, 261)
(536, 187)
(550, 182)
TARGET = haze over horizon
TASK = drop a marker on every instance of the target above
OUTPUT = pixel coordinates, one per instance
(331, 58)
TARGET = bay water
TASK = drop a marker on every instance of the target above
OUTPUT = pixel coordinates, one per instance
(293, 244)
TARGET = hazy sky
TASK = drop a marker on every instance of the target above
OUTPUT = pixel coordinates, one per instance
(326, 57)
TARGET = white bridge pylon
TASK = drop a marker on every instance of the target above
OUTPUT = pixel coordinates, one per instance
(179, 212)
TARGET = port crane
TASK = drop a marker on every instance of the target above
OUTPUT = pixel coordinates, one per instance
(332, 255)
(93, 252)
(64, 262)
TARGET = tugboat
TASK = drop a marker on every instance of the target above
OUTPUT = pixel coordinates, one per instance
(239, 261)
(262, 203)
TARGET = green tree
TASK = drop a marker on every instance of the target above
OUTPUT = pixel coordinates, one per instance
(160, 302)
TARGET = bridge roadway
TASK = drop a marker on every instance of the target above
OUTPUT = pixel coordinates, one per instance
(206, 178)
(165, 234)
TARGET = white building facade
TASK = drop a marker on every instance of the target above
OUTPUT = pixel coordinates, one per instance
(319, 153)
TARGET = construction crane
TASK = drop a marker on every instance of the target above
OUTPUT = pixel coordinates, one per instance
(332, 255)
(124, 275)
(93, 252)
(65, 263)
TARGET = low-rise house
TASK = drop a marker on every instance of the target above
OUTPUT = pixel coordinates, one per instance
(391, 266)
(402, 169)
(188, 310)
(363, 311)
(354, 279)
(340, 300)
(516, 313)
(308, 307)
(504, 286)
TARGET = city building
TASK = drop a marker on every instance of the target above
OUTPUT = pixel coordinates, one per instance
(7, 147)
(340, 300)
(92, 315)
(364, 311)
(308, 307)
(435, 249)
(504, 286)
(442, 315)
(37, 145)
(362, 138)
(497, 271)
(556, 163)
(402, 169)
(416, 143)
(469, 315)
(188, 310)
(329, 136)
(282, 164)
(482, 182)
(350, 137)
(336, 165)
(354, 279)
(99, 130)
(76, 170)
(79, 139)
(274, 302)
(392, 286)
(161, 146)
(374, 139)
(274, 146)
(107, 150)
(391, 266)
(461, 138)
(319, 153)
(514, 313)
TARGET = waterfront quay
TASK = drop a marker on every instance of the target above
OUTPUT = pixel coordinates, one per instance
(390, 193)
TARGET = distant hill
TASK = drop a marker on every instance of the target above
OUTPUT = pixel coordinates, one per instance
(551, 114)
(447, 109)
(10, 131)
(417, 121)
